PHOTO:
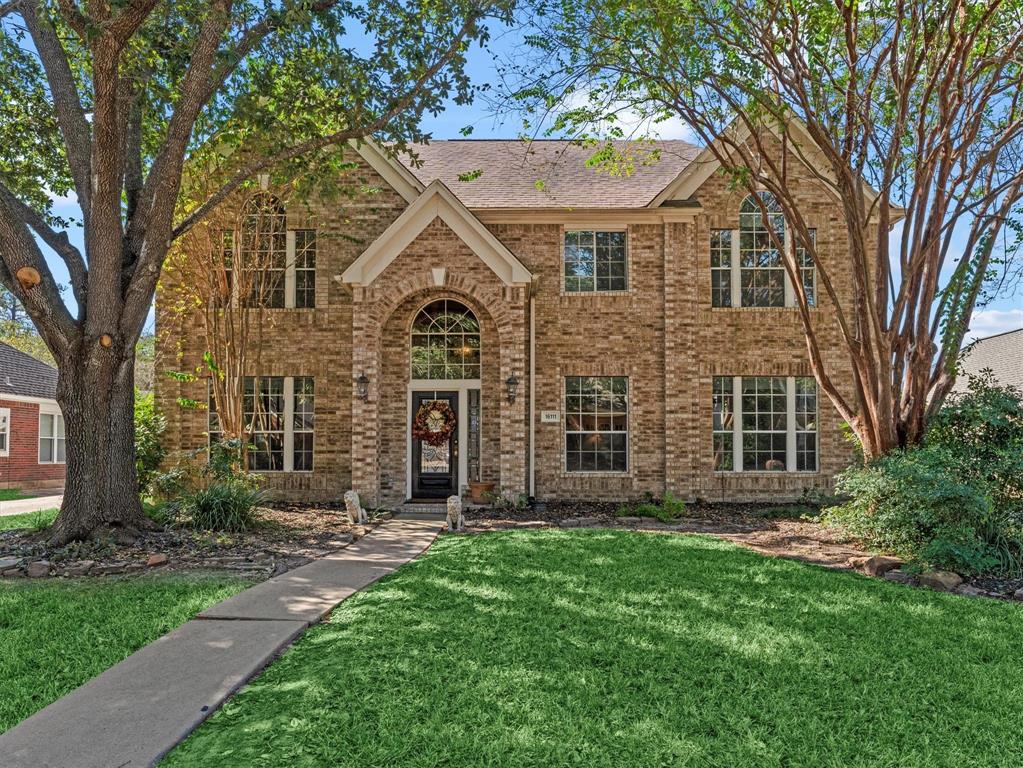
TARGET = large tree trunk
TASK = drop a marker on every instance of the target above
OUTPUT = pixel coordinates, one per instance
(96, 393)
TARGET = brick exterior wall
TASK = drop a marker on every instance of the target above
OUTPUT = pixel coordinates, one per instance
(662, 333)
(21, 467)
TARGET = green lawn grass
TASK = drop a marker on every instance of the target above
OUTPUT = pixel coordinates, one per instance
(11, 494)
(611, 648)
(56, 635)
(38, 519)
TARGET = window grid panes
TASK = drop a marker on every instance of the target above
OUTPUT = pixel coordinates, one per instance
(225, 276)
(263, 412)
(5, 429)
(305, 268)
(724, 423)
(806, 425)
(596, 423)
(51, 438)
(721, 267)
(808, 271)
(265, 249)
(445, 342)
(762, 273)
(303, 422)
(771, 421)
(595, 261)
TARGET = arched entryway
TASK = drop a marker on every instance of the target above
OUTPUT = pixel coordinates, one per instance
(445, 382)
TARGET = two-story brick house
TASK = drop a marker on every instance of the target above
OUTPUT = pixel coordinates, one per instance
(590, 336)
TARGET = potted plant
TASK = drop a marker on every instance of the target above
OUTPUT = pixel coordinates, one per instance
(480, 492)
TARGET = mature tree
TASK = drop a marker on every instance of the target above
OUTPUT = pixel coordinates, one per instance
(111, 101)
(904, 104)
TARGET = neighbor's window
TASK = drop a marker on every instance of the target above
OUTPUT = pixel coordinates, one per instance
(280, 412)
(596, 423)
(445, 342)
(746, 267)
(51, 438)
(5, 431)
(595, 261)
(764, 424)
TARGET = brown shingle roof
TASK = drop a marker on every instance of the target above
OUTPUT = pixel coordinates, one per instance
(512, 168)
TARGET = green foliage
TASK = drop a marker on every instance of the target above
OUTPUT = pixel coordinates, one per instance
(956, 501)
(149, 428)
(33, 520)
(667, 510)
(225, 504)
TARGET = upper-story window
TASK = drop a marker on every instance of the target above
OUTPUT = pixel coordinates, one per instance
(746, 264)
(445, 342)
(595, 261)
(278, 265)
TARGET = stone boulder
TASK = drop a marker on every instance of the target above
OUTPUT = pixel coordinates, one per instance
(38, 569)
(901, 577)
(879, 565)
(942, 581)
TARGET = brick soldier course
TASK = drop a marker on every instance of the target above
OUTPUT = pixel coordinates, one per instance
(418, 233)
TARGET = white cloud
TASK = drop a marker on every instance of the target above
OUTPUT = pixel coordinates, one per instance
(988, 322)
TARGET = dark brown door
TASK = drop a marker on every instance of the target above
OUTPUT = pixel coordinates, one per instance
(434, 467)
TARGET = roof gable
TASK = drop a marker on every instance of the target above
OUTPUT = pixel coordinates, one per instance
(437, 201)
(394, 173)
(22, 375)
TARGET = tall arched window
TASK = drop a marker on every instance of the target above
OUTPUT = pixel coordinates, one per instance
(762, 273)
(264, 250)
(445, 342)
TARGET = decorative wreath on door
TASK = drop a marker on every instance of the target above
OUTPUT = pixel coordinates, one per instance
(434, 422)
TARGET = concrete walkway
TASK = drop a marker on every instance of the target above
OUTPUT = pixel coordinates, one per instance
(135, 712)
(34, 504)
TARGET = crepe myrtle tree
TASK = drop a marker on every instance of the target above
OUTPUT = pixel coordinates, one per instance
(114, 100)
(906, 110)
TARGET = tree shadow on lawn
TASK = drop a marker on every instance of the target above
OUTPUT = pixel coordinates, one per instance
(610, 648)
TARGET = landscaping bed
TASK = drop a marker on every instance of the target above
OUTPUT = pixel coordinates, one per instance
(286, 536)
(57, 635)
(609, 647)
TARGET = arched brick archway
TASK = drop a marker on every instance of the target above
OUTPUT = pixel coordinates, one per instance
(382, 318)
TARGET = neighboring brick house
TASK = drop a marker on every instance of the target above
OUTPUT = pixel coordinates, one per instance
(595, 336)
(31, 427)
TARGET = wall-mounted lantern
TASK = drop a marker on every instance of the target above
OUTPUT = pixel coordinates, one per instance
(512, 384)
(362, 387)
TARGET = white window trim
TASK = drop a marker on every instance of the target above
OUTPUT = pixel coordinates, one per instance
(5, 430)
(289, 427)
(790, 432)
(565, 471)
(39, 437)
(736, 275)
(596, 227)
(290, 267)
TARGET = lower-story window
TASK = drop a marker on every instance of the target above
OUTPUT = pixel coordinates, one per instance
(596, 424)
(279, 413)
(51, 438)
(764, 424)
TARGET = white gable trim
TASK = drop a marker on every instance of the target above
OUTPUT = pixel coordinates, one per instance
(706, 164)
(394, 173)
(437, 201)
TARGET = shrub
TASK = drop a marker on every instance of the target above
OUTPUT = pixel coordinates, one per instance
(149, 428)
(954, 502)
(667, 510)
(225, 504)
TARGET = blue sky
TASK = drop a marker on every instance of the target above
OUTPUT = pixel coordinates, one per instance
(1003, 314)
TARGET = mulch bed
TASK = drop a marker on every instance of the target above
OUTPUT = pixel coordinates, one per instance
(290, 535)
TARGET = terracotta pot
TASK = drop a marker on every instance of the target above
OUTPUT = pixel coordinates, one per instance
(478, 492)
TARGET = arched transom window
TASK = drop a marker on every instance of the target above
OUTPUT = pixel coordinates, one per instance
(445, 342)
(746, 265)
(264, 249)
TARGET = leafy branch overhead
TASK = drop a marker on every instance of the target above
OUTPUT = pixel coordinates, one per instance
(121, 105)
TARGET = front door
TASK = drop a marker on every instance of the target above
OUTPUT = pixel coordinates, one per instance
(435, 466)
